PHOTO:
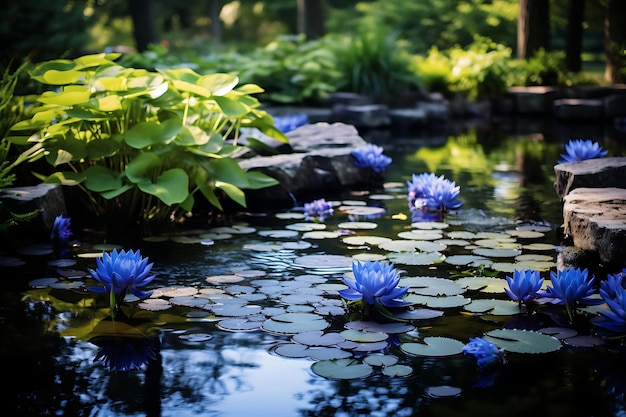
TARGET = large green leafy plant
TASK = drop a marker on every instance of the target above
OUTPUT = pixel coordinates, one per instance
(141, 144)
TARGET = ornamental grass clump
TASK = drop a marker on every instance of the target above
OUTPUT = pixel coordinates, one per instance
(581, 150)
(374, 284)
(120, 273)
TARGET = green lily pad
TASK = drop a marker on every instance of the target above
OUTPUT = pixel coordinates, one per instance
(431, 286)
(438, 302)
(483, 284)
(342, 369)
(294, 323)
(380, 360)
(416, 258)
(493, 307)
(434, 346)
(523, 341)
(397, 370)
(365, 240)
(362, 336)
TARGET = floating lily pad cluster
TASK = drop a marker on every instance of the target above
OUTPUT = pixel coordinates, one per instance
(286, 285)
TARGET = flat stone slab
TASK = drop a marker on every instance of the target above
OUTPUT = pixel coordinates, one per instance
(591, 173)
(595, 220)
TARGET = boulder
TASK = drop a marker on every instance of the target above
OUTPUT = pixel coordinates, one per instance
(595, 221)
(591, 173)
(320, 160)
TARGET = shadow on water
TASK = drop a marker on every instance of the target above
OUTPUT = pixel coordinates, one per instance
(62, 355)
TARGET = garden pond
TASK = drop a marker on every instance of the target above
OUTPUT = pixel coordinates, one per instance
(245, 319)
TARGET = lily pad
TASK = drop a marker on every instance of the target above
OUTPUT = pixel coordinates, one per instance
(342, 369)
(483, 284)
(434, 346)
(294, 323)
(523, 341)
(431, 286)
(493, 307)
(416, 258)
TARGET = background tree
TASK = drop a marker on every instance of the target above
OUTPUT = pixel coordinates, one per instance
(533, 27)
(574, 35)
(145, 32)
(311, 18)
(615, 41)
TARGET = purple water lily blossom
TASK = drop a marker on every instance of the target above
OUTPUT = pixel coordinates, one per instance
(61, 232)
(375, 283)
(483, 350)
(318, 210)
(122, 272)
(580, 150)
(524, 285)
(371, 156)
(417, 184)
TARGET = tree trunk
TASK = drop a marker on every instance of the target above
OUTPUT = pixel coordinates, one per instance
(574, 37)
(311, 18)
(615, 41)
(533, 27)
(216, 24)
(143, 14)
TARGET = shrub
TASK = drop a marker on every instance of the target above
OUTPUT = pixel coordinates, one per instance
(143, 145)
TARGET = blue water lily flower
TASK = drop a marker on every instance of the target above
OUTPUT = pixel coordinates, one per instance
(571, 287)
(122, 272)
(371, 156)
(126, 353)
(61, 232)
(442, 194)
(613, 293)
(483, 350)
(580, 150)
(376, 284)
(614, 318)
(417, 184)
(431, 192)
(290, 122)
(524, 285)
(318, 210)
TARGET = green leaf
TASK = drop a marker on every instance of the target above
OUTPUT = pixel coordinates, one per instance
(258, 180)
(523, 341)
(231, 108)
(233, 192)
(219, 84)
(172, 187)
(101, 148)
(341, 369)
(71, 95)
(142, 167)
(209, 194)
(228, 170)
(434, 346)
(116, 193)
(65, 178)
(99, 179)
(150, 133)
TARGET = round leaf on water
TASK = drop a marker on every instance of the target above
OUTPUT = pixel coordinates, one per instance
(362, 336)
(294, 323)
(438, 302)
(523, 341)
(430, 225)
(483, 284)
(397, 370)
(468, 260)
(323, 261)
(434, 346)
(318, 338)
(372, 326)
(431, 286)
(365, 240)
(341, 369)
(419, 314)
(494, 307)
(380, 360)
(358, 225)
(416, 258)
(496, 253)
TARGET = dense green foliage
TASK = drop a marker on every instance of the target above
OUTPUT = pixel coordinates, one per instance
(143, 145)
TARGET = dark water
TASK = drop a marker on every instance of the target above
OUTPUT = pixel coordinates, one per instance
(195, 367)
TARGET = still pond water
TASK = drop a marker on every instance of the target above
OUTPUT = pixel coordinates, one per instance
(246, 320)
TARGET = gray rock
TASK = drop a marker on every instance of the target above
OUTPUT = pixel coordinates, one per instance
(592, 173)
(321, 160)
(46, 199)
(595, 221)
